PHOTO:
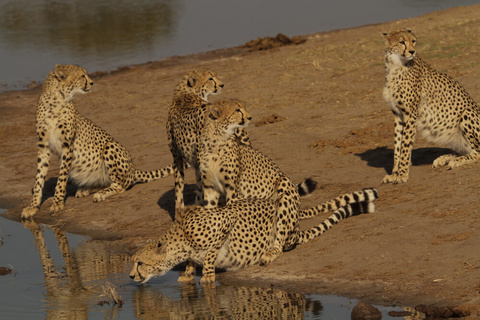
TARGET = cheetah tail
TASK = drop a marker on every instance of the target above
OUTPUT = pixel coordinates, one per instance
(306, 186)
(365, 195)
(147, 176)
(340, 214)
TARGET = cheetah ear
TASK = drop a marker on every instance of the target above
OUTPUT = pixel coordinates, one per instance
(59, 74)
(384, 36)
(191, 82)
(215, 112)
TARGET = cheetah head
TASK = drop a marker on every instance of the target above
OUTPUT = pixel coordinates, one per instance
(400, 45)
(158, 257)
(201, 82)
(70, 80)
(229, 114)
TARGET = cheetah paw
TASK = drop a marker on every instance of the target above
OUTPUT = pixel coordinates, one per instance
(270, 256)
(395, 178)
(29, 212)
(97, 197)
(389, 178)
(186, 278)
(82, 193)
(447, 159)
(56, 207)
(208, 278)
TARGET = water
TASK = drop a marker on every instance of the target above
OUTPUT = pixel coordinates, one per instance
(62, 276)
(105, 35)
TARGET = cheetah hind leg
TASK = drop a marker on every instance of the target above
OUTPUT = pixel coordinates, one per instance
(454, 161)
(83, 192)
(103, 194)
(443, 160)
(270, 256)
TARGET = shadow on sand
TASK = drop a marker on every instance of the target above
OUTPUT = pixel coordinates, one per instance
(382, 157)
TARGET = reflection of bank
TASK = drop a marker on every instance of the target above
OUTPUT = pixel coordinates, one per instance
(222, 302)
(73, 292)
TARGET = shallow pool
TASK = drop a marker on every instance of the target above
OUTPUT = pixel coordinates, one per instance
(56, 275)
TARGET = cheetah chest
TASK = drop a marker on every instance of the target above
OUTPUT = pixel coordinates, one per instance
(54, 136)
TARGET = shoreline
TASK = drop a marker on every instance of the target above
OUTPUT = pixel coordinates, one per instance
(337, 129)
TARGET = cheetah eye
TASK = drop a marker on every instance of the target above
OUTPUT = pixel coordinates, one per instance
(139, 263)
(413, 41)
(402, 42)
(211, 79)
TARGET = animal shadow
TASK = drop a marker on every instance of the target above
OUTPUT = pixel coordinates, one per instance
(167, 200)
(382, 157)
(49, 189)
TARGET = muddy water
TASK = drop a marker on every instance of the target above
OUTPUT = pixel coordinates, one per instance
(63, 276)
(104, 35)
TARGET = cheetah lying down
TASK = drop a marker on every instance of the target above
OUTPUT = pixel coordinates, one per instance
(231, 237)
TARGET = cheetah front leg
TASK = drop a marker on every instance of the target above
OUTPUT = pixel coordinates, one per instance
(179, 177)
(43, 162)
(199, 193)
(189, 274)
(208, 272)
(61, 187)
(403, 153)
(399, 126)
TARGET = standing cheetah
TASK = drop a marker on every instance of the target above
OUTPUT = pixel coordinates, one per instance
(429, 102)
(88, 154)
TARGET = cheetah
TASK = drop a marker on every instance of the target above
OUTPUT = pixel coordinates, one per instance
(88, 155)
(239, 171)
(185, 125)
(230, 237)
(429, 102)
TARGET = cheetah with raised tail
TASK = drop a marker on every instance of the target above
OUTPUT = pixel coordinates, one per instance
(88, 154)
(429, 102)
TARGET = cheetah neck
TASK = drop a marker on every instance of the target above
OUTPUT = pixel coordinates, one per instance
(214, 137)
(181, 93)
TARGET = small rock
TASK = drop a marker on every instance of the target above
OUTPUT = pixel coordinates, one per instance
(4, 271)
(442, 312)
(365, 311)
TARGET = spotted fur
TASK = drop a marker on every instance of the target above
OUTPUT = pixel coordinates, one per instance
(239, 171)
(231, 237)
(429, 102)
(185, 125)
(89, 155)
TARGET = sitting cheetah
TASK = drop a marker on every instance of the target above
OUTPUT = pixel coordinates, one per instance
(89, 155)
(185, 125)
(239, 171)
(428, 101)
(230, 237)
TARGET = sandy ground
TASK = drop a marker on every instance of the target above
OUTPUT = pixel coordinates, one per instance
(421, 246)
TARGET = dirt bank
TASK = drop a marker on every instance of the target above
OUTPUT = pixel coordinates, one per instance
(422, 244)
